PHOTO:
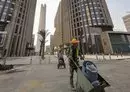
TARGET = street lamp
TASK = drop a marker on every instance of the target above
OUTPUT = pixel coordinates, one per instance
(30, 48)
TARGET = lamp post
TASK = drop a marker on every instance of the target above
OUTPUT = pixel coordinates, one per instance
(30, 48)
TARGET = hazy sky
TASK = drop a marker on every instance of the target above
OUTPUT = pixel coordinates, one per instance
(117, 8)
(52, 6)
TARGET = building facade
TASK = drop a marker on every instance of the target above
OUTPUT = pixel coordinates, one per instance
(42, 26)
(48, 50)
(85, 20)
(58, 34)
(6, 12)
(20, 28)
(52, 44)
(116, 42)
(126, 20)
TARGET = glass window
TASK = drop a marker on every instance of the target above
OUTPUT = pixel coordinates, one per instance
(3, 17)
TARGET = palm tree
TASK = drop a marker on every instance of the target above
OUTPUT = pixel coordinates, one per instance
(44, 34)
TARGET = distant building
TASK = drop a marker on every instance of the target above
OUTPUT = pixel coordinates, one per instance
(48, 49)
(42, 26)
(20, 27)
(84, 20)
(52, 44)
(58, 34)
(126, 20)
(115, 42)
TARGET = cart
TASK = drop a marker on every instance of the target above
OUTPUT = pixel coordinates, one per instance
(83, 84)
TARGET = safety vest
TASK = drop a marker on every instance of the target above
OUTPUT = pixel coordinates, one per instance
(70, 51)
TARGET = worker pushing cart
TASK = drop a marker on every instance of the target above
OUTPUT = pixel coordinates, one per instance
(88, 78)
(73, 54)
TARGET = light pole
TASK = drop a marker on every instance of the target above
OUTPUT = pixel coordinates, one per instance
(30, 48)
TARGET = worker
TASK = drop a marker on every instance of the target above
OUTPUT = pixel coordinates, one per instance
(73, 54)
(60, 55)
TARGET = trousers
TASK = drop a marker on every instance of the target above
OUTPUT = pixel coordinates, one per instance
(73, 69)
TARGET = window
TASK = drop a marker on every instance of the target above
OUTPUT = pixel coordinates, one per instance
(18, 20)
(19, 15)
(76, 14)
(101, 15)
(74, 20)
(80, 23)
(77, 24)
(77, 19)
(3, 17)
(20, 9)
(16, 29)
(103, 21)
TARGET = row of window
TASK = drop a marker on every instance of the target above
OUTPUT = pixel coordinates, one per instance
(20, 17)
(6, 10)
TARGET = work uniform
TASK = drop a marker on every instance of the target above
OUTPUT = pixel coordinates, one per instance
(73, 62)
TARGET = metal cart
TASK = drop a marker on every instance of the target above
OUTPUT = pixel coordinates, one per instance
(83, 84)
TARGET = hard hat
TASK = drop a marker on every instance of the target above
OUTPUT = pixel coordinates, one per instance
(74, 41)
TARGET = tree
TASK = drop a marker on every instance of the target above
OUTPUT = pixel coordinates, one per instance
(44, 34)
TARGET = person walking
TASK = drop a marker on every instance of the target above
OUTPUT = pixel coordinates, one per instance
(73, 55)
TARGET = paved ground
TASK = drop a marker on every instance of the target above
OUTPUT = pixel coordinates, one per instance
(46, 77)
(117, 74)
(35, 78)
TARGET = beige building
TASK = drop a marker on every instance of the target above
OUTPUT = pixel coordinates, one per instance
(62, 32)
(20, 28)
(84, 20)
(58, 34)
(42, 26)
(126, 20)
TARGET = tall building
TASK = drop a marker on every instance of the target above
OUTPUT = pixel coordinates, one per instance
(62, 32)
(20, 28)
(6, 11)
(42, 26)
(126, 20)
(85, 20)
(59, 26)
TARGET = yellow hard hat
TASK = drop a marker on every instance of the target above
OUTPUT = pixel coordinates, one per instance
(74, 41)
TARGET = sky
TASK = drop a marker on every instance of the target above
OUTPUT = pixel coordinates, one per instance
(117, 8)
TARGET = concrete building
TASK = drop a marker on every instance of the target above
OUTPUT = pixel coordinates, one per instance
(6, 11)
(48, 50)
(42, 26)
(52, 44)
(126, 20)
(84, 20)
(116, 42)
(58, 34)
(21, 27)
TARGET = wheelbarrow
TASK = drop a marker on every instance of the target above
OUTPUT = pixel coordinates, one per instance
(84, 85)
